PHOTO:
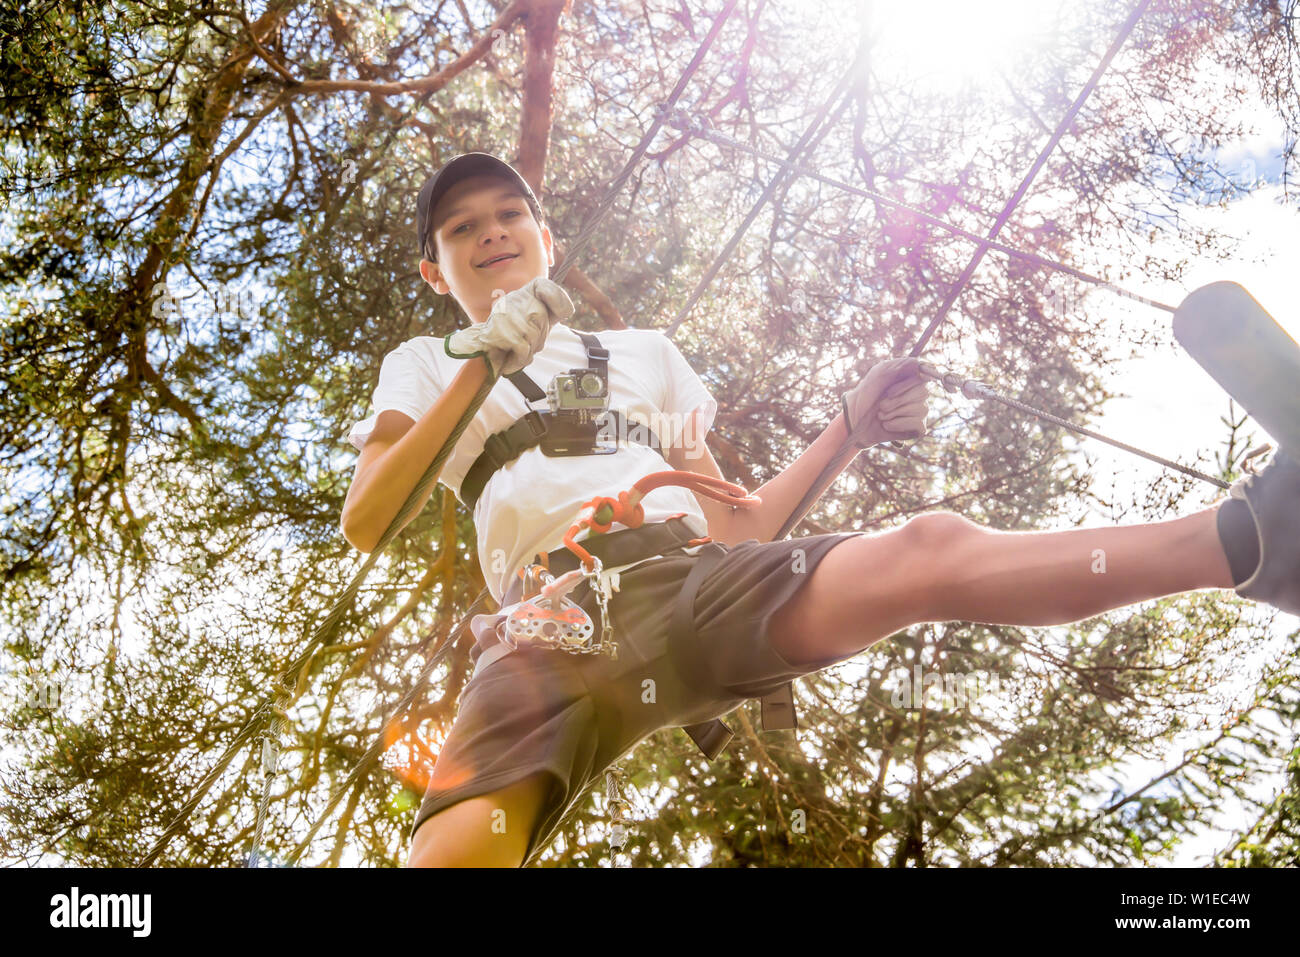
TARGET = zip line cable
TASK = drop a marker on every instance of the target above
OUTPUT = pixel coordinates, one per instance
(696, 125)
(1023, 188)
(414, 501)
(375, 750)
(978, 390)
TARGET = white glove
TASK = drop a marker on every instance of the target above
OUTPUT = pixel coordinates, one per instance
(889, 403)
(516, 328)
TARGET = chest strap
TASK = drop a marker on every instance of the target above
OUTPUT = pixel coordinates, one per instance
(502, 448)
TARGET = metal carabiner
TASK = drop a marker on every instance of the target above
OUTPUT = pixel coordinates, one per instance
(603, 585)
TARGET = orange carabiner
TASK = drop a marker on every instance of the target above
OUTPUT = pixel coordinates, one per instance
(627, 508)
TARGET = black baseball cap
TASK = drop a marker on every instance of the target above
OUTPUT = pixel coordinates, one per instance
(451, 173)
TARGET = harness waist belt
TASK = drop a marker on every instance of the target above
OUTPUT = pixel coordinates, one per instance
(623, 547)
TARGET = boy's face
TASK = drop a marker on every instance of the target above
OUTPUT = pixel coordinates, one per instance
(478, 219)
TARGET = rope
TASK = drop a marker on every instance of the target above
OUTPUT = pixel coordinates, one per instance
(414, 500)
(593, 221)
(270, 762)
(208, 780)
(616, 807)
(696, 125)
(1023, 188)
(973, 390)
(598, 514)
(376, 749)
(768, 191)
(835, 464)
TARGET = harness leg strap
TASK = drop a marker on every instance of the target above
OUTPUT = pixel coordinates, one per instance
(687, 657)
(683, 648)
(711, 737)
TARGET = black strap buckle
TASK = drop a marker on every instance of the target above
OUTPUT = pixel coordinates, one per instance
(711, 737)
(536, 423)
(778, 711)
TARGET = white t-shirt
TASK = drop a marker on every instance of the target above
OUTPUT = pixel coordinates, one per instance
(528, 505)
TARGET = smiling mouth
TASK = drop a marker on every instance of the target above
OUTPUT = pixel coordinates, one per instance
(498, 259)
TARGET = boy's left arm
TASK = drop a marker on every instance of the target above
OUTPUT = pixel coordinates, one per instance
(889, 403)
(731, 525)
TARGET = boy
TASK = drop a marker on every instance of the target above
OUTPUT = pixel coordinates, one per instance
(536, 726)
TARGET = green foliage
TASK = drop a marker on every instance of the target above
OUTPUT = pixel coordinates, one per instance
(204, 267)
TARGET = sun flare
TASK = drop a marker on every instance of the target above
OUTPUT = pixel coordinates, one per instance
(952, 43)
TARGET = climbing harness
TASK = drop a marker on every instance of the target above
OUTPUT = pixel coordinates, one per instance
(543, 616)
(536, 611)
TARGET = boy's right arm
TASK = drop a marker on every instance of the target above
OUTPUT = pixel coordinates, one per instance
(396, 455)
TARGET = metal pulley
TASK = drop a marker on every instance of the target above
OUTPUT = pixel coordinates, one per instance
(546, 616)
(559, 622)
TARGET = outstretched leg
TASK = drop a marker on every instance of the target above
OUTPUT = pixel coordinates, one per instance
(942, 567)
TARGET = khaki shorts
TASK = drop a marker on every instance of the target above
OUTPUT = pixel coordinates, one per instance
(574, 716)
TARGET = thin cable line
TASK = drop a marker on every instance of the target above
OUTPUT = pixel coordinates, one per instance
(1023, 188)
(768, 192)
(984, 241)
